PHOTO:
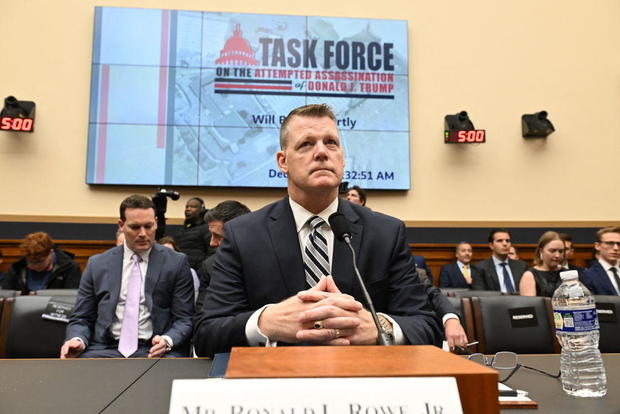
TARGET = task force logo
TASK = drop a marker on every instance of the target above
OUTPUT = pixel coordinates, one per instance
(305, 67)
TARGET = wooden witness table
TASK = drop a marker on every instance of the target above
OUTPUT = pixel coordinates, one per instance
(477, 384)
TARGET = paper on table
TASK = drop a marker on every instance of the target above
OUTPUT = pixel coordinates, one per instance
(521, 395)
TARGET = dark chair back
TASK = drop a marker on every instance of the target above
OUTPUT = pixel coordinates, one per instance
(453, 291)
(476, 293)
(465, 314)
(25, 333)
(607, 308)
(521, 324)
(8, 293)
(56, 292)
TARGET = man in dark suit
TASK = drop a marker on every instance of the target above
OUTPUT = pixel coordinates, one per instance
(499, 272)
(119, 313)
(272, 281)
(216, 218)
(459, 274)
(602, 278)
(568, 253)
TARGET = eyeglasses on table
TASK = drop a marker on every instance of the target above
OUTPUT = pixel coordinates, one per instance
(505, 362)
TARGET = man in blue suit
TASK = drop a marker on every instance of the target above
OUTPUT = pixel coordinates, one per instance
(280, 276)
(121, 313)
(460, 273)
(602, 278)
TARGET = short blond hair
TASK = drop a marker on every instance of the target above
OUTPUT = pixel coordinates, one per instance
(610, 229)
(312, 111)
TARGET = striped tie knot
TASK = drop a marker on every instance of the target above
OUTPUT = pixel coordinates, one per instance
(315, 222)
(316, 260)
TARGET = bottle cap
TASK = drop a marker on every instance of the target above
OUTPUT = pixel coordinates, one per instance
(569, 274)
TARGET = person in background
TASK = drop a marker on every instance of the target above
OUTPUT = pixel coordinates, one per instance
(135, 300)
(420, 264)
(169, 243)
(44, 266)
(603, 277)
(499, 272)
(356, 195)
(459, 274)
(544, 278)
(194, 238)
(216, 218)
(568, 253)
(120, 237)
(513, 253)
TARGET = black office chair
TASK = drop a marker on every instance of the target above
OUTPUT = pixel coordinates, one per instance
(607, 308)
(476, 293)
(8, 293)
(463, 307)
(25, 333)
(55, 292)
(453, 291)
(520, 324)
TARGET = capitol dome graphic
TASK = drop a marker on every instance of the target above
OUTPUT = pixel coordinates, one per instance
(237, 51)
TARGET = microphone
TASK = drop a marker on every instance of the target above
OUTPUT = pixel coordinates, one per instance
(340, 226)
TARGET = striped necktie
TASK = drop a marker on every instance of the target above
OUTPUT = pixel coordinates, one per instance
(316, 260)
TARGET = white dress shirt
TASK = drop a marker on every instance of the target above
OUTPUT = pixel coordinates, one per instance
(500, 274)
(145, 326)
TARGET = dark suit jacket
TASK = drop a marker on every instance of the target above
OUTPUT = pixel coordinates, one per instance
(488, 278)
(450, 276)
(440, 302)
(260, 262)
(597, 281)
(169, 292)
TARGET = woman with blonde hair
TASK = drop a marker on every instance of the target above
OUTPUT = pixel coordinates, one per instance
(544, 277)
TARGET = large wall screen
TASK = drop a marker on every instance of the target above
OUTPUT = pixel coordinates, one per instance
(196, 98)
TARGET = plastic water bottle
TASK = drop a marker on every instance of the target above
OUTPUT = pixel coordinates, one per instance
(574, 313)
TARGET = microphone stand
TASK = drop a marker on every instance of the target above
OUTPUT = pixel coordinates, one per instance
(383, 338)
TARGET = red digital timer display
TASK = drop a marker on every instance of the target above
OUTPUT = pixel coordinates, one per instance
(474, 136)
(8, 123)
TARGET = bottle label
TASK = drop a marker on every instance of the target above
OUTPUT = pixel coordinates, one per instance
(578, 320)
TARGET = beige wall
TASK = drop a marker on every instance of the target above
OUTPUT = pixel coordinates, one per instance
(495, 59)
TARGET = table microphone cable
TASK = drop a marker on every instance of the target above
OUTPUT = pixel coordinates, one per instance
(130, 385)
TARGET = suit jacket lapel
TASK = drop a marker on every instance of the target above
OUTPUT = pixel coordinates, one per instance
(495, 276)
(115, 276)
(285, 240)
(342, 260)
(152, 274)
(515, 273)
(604, 281)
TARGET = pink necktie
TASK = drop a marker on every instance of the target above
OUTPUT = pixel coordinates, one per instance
(128, 342)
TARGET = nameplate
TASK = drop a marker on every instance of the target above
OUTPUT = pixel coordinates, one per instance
(606, 312)
(395, 395)
(523, 317)
(59, 308)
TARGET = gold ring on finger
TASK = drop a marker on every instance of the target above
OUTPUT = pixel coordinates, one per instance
(318, 325)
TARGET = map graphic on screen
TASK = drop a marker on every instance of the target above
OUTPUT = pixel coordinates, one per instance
(194, 98)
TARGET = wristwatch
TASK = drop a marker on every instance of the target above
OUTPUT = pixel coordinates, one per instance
(387, 327)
